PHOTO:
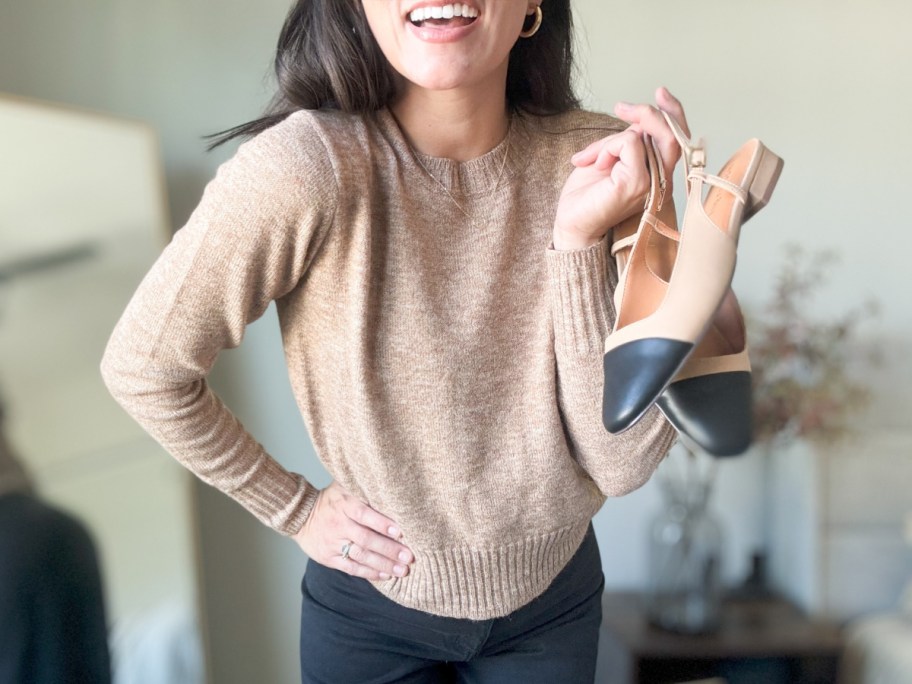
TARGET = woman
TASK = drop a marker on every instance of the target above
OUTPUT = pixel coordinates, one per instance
(443, 304)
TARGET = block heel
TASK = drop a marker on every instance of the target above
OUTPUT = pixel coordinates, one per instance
(769, 168)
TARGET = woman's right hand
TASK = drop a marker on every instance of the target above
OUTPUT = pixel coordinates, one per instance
(337, 519)
(610, 180)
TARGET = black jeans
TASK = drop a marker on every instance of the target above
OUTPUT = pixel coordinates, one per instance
(353, 634)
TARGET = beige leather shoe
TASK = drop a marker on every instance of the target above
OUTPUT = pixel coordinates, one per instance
(709, 400)
(662, 315)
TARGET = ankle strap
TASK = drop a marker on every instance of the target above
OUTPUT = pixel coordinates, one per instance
(657, 180)
(693, 153)
(654, 199)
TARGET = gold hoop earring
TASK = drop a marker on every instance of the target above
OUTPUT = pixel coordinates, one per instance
(532, 30)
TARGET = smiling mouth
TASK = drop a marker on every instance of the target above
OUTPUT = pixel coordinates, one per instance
(453, 15)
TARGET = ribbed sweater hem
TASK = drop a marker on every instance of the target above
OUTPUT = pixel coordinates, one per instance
(485, 583)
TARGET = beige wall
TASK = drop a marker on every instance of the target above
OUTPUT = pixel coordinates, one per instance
(190, 68)
(821, 81)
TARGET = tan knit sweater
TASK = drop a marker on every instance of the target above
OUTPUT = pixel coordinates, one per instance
(446, 361)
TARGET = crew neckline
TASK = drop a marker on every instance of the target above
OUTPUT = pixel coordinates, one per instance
(479, 176)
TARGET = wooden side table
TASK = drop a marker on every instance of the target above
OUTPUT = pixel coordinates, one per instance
(765, 641)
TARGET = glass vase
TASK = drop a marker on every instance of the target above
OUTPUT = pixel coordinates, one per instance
(685, 548)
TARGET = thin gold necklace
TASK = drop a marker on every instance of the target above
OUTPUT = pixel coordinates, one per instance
(503, 166)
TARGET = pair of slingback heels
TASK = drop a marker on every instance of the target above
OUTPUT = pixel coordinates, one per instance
(679, 340)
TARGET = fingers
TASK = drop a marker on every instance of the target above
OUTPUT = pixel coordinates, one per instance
(375, 538)
(642, 119)
(618, 161)
(628, 170)
(650, 120)
(603, 192)
(628, 148)
(605, 153)
(588, 155)
(671, 105)
(368, 517)
(362, 562)
(344, 533)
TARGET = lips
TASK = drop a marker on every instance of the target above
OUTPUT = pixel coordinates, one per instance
(452, 15)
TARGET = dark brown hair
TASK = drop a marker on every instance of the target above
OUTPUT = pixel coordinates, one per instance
(327, 58)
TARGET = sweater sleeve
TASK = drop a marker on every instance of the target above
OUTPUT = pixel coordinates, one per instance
(249, 241)
(580, 283)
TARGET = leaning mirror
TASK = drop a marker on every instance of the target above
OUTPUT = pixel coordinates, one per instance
(82, 217)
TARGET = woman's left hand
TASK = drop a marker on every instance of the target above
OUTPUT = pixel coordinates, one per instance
(610, 179)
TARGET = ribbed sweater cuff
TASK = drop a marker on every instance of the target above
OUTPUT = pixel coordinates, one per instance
(579, 298)
(280, 499)
(483, 584)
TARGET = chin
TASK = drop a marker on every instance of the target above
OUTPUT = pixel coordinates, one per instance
(438, 84)
(444, 77)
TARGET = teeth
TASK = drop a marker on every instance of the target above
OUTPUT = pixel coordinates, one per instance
(456, 9)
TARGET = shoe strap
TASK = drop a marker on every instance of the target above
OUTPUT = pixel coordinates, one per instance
(694, 156)
(698, 175)
(622, 244)
(658, 177)
(625, 237)
(693, 153)
(625, 233)
(659, 227)
(657, 181)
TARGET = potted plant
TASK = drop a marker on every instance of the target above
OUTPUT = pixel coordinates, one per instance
(805, 375)
(803, 386)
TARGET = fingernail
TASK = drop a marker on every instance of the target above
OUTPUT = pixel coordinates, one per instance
(400, 570)
(394, 531)
(405, 557)
(383, 575)
(623, 105)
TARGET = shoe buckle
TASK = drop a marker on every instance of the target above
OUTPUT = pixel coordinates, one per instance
(696, 155)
